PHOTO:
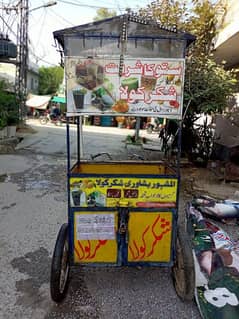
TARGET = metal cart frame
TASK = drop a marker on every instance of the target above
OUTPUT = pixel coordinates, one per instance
(121, 213)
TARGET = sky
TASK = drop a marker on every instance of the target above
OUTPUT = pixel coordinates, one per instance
(67, 13)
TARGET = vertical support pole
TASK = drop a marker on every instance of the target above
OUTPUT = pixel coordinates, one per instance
(179, 146)
(137, 128)
(22, 57)
(81, 137)
(70, 215)
(68, 167)
(78, 119)
(68, 145)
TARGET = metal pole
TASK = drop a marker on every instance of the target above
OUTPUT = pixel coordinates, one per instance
(179, 146)
(78, 139)
(81, 137)
(22, 58)
(137, 128)
(68, 146)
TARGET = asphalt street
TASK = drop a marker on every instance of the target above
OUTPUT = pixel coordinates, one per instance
(33, 207)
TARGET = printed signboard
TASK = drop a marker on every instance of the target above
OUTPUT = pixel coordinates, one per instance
(95, 237)
(146, 87)
(150, 237)
(108, 192)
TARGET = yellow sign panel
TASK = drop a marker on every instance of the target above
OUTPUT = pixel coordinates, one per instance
(95, 237)
(150, 236)
(108, 192)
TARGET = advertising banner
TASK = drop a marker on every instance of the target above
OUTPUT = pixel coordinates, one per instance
(108, 192)
(146, 87)
(95, 237)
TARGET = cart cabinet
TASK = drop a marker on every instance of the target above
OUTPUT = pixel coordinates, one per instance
(122, 218)
(122, 212)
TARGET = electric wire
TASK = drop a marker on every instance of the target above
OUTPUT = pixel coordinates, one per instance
(54, 15)
(83, 5)
(41, 28)
(6, 18)
(4, 22)
(112, 7)
(38, 44)
(60, 17)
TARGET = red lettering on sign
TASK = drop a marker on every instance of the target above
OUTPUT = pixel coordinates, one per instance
(113, 193)
(131, 193)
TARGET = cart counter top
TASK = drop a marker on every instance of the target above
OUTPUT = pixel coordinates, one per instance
(128, 168)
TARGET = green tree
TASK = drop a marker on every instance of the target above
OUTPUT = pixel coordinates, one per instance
(168, 12)
(208, 85)
(8, 106)
(104, 13)
(50, 79)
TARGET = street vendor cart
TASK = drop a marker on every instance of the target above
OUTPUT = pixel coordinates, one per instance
(122, 212)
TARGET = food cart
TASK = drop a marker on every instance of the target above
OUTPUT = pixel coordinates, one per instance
(122, 213)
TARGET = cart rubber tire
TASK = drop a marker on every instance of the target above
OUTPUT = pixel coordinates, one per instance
(60, 266)
(183, 270)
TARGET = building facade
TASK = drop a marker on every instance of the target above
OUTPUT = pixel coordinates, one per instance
(8, 73)
(227, 41)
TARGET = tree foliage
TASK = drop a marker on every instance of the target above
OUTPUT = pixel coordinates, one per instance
(8, 106)
(50, 79)
(168, 12)
(104, 13)
(208, 85)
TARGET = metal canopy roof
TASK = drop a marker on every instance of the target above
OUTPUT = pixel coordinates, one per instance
(137, 28)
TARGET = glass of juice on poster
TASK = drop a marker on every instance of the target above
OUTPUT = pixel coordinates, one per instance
(131, 83)
(148, 82)
(79, 95)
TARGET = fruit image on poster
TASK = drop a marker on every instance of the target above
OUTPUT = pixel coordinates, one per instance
(149, 87)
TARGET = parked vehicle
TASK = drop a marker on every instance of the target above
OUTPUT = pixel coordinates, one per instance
(48, 117)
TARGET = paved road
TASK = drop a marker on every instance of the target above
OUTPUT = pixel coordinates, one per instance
(33, 206)
(50, 139)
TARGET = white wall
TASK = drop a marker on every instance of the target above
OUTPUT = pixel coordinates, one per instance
(231, 22)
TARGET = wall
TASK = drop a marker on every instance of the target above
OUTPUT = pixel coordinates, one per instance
(8, 72)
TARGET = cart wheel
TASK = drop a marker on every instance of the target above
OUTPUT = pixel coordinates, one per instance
(183, 269)
(58, 123)
(43, 120)
(60, 266)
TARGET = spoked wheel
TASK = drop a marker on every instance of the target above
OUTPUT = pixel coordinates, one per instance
(58, 123)
(43, 120)
(60, 266)
(183, 269)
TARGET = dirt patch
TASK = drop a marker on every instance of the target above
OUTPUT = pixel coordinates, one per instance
(197, 181)
(26, 129)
